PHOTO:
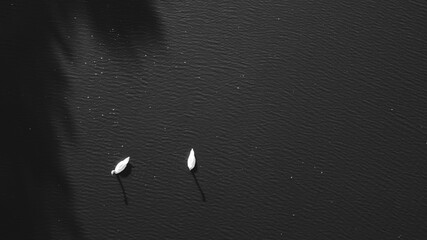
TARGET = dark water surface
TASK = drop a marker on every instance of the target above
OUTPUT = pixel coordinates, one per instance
(308, 119)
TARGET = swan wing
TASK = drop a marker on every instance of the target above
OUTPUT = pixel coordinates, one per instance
(121, 165)
(191, 162)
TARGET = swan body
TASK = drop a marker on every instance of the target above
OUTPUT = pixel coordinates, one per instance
(191, 162)
(120, 166)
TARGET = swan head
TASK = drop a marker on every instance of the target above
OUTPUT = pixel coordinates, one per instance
(113, 172)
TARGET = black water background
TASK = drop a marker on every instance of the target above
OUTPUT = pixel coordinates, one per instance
(308, 119)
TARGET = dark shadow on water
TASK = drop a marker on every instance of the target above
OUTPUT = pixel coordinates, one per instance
(193, 172)
(127, 171)
(198, 185)
(124, 174)
(125, 198)
(36, 197)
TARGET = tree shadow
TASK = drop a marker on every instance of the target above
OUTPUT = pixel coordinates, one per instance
(127, 23)
(33, 86)
(125, 17)
(36, 197)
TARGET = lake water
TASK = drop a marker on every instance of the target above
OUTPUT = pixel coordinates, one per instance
(308, 119)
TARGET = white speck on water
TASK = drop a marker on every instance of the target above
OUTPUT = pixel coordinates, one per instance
(292, 177)
(293, 214)
(321, 172)
(238, 87)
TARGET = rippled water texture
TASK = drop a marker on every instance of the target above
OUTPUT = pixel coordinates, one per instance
(308, 119)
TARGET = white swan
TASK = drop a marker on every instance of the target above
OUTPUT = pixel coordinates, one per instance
(191, 162)
(120, 166)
